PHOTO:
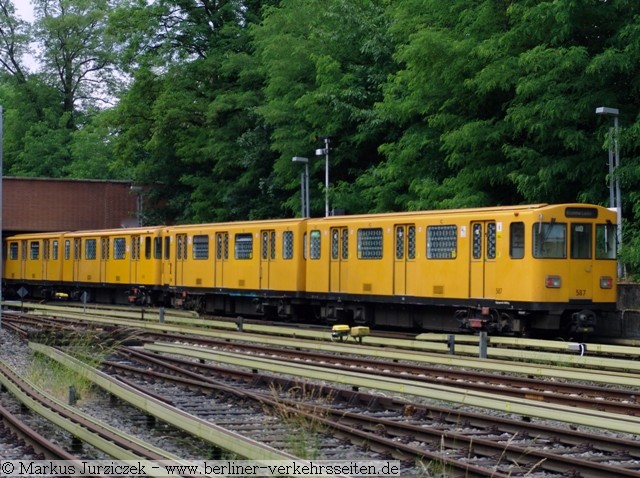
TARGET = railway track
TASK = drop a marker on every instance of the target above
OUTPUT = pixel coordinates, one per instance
(438, 434)
(604, 398)
(468, 441)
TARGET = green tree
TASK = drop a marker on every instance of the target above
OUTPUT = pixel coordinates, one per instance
(325, 62)
(193, 129)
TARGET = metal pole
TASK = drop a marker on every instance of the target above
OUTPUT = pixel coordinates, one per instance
(303, 208)
(612, 190)
(617, 193)
(306, 187)
(326, 177)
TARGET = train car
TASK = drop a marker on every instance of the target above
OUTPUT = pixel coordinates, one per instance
(251, 268)
(502, 269)
(33, 261)
(114, 265)
(110, 266)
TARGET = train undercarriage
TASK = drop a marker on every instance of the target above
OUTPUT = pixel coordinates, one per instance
(322, 309)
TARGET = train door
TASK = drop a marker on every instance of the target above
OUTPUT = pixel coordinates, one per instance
(23, 259)
(135, 259)
(167, 264)
(104, 258)
(77, 251)
(181, 257)
(46, 257)
(482, 260)
(267, 254)
(582, 263)
(339, 259)
(221, 257)
(404, 258)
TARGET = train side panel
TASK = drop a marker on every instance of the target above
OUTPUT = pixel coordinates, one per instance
(235, 267)
(35, 261)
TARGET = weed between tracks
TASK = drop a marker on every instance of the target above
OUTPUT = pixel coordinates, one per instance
(60, 381)
(305, 426)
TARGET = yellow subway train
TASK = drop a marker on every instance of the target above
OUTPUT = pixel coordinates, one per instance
(513, 269)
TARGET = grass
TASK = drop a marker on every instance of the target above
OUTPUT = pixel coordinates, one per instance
(305, 430)
(60, 381)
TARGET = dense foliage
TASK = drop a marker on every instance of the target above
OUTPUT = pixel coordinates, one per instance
(427, 103)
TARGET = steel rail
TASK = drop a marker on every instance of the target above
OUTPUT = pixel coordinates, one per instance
(581, 395)
(49, 450)
(530, 369)
(178, 365)
(356, 426)
(101, 436)
(593, 418)
(225, 439)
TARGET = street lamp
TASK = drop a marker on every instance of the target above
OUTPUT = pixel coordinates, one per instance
(320, 152)
(615, 199)
(304, 184)
(138, 191)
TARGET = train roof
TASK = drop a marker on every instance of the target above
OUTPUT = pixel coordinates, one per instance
(464, 211)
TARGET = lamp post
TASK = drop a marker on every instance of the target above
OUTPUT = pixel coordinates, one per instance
(320, 152)
(615, 199)
(304, 185)
(138, 191)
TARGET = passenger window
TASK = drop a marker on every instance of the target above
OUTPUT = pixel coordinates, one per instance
(34, 250)
(606, 241)
(135, 248)
(201, 247)
(90, 249)
(581, 241)
(442, 242)
(13, 251)
(119, 247)
(105, 249)
(243, 246)
(167, 248)
(516, 240)
(411, 245)
(67, 250)
(287, 245)
(550, 240)
(314, 244)
(147, 248)
(157, 248)
(54, 250)
(370, 243)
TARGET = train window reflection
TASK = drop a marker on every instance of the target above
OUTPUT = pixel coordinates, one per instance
(13, 251)
(581, 241)
(550, 240)
(516, 240)
(605, 241)
(314, 244)
(244, 246)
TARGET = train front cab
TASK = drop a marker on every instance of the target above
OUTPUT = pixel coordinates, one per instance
(33, 261)
(540, 268)
(573, 253)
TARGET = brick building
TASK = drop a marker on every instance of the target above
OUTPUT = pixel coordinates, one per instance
(39, 205)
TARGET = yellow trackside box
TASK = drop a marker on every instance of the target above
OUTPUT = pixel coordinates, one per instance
(359, 331)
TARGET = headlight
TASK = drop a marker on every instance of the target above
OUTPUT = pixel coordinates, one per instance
(606, 282)
(552, 282)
